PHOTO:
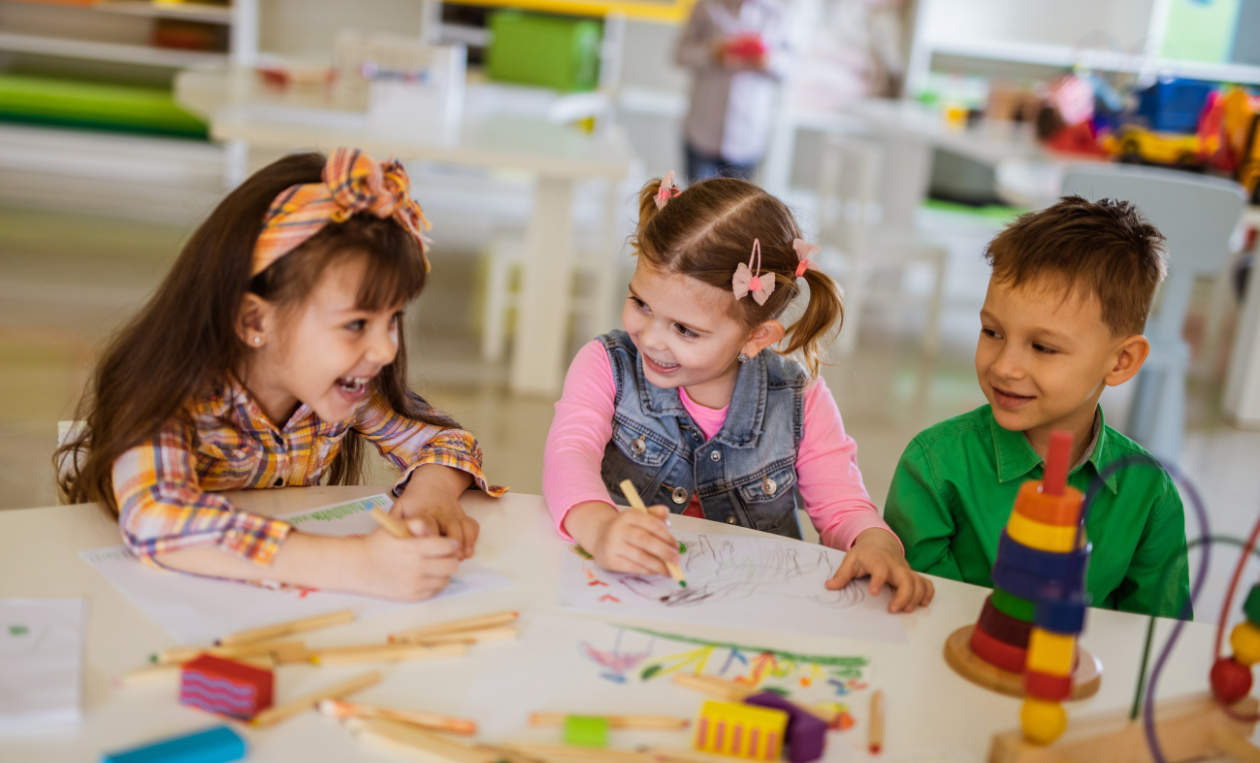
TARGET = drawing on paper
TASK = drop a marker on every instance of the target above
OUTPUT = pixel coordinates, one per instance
(757, 582)
(731, 574)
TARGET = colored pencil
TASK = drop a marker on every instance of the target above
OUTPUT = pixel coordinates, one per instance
(875, 728)
(467, 624)
(627, 488)
(560, 754)
(638, 722)
(505, 633)
(277, 649)
(414, 743)
(171, 670)
(280, 630)
(343, 710)
(336, 691)
(355, 655)
(394, 526)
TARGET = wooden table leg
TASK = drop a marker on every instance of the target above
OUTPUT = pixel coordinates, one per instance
(546, 286)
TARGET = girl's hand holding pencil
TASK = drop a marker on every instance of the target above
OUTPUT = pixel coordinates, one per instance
(411, 567)
(632, 541)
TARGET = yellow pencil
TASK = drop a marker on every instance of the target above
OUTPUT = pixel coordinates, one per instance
(278, 649)
(392, 525)
(354, 655)
(482, 636)
(638, 722)
(875, 727)
(627, 488)
(416, 743)
(454, 626)
(280, 630)
(342, 710)
(279, 713)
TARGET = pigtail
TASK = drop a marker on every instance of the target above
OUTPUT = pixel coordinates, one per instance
(823, 316)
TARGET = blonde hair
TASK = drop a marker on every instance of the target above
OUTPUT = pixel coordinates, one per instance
(708, 230)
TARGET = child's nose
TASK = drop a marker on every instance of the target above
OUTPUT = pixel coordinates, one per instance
(1008, 363)
(383, 348)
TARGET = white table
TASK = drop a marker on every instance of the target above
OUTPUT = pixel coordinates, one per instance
(928, 706)
(243, 112)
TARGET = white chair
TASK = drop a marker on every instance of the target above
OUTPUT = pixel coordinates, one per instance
(849, 174)
(1197, 215)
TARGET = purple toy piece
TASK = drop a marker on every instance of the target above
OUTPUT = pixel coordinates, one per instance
(806, 735)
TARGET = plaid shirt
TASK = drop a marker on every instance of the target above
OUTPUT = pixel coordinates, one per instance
(167, 488)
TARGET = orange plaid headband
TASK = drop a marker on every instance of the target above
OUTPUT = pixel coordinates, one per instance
(352, 182)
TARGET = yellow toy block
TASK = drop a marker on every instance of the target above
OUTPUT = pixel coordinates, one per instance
(1245, 640)
(741, 731)
(1041, 536)
(1051, 653)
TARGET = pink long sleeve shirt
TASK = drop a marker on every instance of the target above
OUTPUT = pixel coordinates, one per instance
(826, 461)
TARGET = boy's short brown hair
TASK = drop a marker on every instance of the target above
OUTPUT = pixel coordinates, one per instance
(1106, 248)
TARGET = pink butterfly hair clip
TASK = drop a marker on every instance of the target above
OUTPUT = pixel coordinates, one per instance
(805, 252)
(745, 281)
(667, 190)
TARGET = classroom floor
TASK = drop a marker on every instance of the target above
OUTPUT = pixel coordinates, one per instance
(68, 282)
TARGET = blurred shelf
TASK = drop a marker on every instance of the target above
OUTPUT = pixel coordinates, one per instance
(210, 14)
(106, 51)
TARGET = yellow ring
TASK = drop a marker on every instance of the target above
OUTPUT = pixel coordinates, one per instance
(1051, 653)
(1041, 536)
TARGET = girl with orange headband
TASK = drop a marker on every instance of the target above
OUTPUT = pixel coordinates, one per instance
(270, 353)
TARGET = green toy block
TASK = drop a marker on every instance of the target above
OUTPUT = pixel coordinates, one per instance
(549, 51)
(586, 731)
(1007, 604)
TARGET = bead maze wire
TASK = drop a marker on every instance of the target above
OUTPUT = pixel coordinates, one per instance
(1205, 539)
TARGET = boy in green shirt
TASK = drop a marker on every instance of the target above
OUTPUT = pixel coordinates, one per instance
(1063, 317)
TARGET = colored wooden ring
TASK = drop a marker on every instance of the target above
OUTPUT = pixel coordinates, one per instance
(1068, 566)
(999, 655)
(1043, 537)
(1051, 653)
(1003, 627)
(1049, 509)
(1085, 679)
(1010, 604)
(1251, 607)
(1048, 687)
(1062, 616)
(1034, 587)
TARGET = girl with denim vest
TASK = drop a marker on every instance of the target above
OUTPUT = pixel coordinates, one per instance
(270, 355)
(687, 404)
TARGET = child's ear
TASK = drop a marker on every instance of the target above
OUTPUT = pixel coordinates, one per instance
(1127, 360)
(256, 321)
(762, 337)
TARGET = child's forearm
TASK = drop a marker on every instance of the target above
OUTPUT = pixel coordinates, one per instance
(586, 521)
(436, 481)
(313, 561)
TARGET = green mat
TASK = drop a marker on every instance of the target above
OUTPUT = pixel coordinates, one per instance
(120, 108)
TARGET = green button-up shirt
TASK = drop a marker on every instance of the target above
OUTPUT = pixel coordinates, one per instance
(955, 487)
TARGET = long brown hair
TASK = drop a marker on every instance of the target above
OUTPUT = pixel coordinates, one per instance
(708, 230)
(184, 341)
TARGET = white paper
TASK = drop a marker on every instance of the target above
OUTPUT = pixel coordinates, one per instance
(41, 662)
(196, 610)
(576, 666)
(737, 581)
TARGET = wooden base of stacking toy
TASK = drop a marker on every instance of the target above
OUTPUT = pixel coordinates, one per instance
(1085, 681)
(1189, 728)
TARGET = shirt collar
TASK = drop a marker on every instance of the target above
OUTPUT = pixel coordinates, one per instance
(1016, 457)
(233, 402)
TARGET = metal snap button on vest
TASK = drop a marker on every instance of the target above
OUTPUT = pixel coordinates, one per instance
(769, 485)
(732, 521)
(716, 455)
(639, 446)
(679, 496)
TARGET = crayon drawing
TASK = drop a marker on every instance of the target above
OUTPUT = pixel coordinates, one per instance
(738, 581)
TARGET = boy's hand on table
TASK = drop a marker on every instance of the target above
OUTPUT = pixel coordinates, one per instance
(407, 569)
(432, 496)
(877, 553)
(626, 541)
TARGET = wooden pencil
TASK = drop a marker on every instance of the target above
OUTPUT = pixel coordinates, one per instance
(343, 710)
(560, 754)
(289, 709)
(637, 722)
(479, 622)
(875, 726)
(504, 633)
(281, 630)
(416, 743)
(171, 670)
(356, 655)
(180, 655)
(394, 526)
(628, 489)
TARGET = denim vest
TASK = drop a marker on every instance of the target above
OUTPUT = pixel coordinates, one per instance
(745, 475)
